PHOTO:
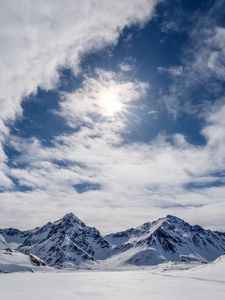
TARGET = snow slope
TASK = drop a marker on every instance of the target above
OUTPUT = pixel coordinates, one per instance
(121, 285)
(14, 261)
(214, 271)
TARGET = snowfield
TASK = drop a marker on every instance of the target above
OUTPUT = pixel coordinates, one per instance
(202, 282)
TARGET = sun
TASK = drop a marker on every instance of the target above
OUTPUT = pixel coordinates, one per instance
(110, 102)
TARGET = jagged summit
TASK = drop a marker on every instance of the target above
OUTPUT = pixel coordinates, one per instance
(176, 220)
(70, 218)
(70, 215)
(173, 218)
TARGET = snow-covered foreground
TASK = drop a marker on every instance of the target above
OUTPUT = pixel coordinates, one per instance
(205, 282)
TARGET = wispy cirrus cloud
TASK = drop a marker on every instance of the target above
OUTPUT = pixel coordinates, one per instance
(199, 79)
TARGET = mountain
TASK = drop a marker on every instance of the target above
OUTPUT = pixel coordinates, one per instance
(68, 242)
(167, 239)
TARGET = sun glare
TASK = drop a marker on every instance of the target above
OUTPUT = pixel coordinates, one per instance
(110, 102)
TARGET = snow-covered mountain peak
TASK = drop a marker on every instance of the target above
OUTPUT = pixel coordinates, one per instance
(172, 220)
(70, 216)
(69, 220)
(172, 223)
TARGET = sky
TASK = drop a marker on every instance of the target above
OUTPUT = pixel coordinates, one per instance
(112, 110)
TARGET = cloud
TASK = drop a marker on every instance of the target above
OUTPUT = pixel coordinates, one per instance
(173, 70)
(199, 80)
(131, 182)
(126, 67)
(209, 60)
(135, 181)
(96, 98)
(37, 39)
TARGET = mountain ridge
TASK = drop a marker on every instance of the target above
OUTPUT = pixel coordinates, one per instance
(68, 242)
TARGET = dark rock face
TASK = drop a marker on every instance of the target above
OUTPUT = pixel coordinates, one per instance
(36, 260)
